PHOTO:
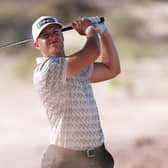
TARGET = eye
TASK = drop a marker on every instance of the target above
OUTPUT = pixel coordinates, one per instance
(55, 32)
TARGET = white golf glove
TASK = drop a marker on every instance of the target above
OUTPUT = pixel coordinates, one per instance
(95, 20)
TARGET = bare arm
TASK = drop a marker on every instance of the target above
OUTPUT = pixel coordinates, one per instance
(88, 54)
(110, 65)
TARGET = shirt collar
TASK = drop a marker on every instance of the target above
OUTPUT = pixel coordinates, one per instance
(40, 60)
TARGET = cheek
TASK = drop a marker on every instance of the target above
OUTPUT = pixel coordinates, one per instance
(43, 44)
(62, 37)
(43, 47)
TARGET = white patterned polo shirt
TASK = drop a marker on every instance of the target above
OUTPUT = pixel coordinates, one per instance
(69, 103)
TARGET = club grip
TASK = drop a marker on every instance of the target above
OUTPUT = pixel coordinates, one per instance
(69, 27)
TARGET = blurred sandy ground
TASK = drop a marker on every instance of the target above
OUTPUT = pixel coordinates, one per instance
(135, 123)
(135, 126)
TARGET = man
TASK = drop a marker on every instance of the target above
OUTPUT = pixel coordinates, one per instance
(63, 83)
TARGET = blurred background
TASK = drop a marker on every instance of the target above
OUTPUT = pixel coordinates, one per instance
(133, 106)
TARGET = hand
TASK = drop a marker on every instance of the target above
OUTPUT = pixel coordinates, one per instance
(95, 21)
(84, 27)
(100, 28)
(81, 25)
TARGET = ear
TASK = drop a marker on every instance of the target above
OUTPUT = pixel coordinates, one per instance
(36, 45)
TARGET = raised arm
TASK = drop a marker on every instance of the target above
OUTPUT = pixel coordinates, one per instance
(109, 67)
(89, 53)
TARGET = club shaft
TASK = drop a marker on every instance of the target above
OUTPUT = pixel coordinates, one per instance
(66, 28)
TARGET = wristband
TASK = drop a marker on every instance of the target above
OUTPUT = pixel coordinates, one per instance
(93, 19)
(100, 28)
(89, 32)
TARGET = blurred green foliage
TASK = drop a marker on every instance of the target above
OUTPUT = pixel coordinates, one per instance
(25, 64)
(128, 30)
(16, 19)
(127, 84)
(125, 24)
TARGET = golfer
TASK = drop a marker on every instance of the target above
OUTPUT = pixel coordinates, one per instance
(64, 86)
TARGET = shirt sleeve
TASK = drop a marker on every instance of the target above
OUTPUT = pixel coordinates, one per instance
(88, 70)
(52, 70)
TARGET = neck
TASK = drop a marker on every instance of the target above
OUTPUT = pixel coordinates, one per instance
(60, 54)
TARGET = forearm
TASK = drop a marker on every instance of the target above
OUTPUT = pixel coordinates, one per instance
(109, 53)
(86, 56)
(90, 50)
(91, 47)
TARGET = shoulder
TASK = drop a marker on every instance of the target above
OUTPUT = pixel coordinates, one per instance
(51, 68)
(47, 62)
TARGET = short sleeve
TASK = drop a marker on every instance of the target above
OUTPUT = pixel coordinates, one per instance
(51, 70)
(88, 70)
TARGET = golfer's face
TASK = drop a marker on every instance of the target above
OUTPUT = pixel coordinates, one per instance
(50, 40)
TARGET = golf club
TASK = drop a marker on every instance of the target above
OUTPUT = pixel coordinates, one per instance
(66, 28)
